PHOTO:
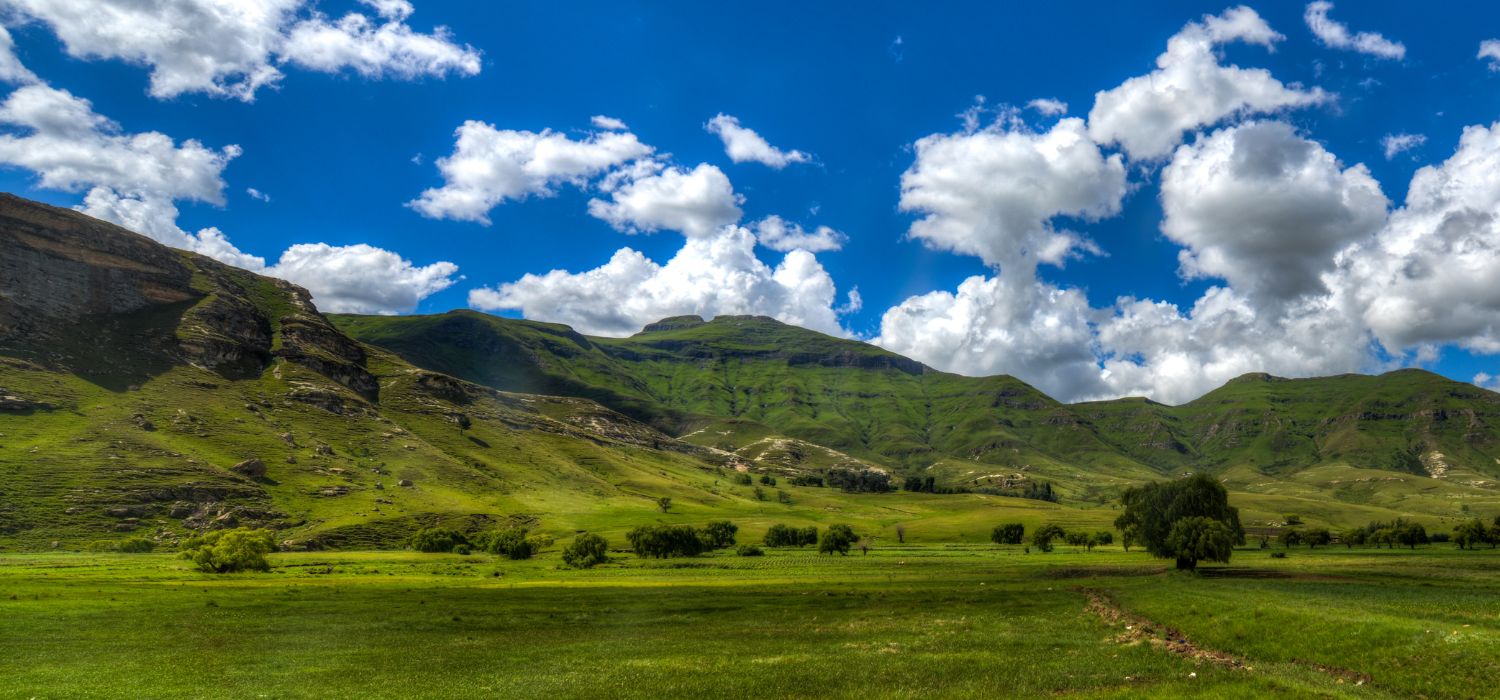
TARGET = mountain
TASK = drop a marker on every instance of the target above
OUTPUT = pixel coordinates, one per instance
(151, 391)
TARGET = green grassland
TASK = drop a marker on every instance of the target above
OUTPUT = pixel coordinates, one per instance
(945, 620)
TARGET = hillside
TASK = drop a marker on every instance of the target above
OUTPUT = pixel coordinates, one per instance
(149, 391)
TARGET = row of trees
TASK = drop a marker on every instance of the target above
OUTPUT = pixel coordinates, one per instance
(663, 541)
(858, 481)
(511, 543)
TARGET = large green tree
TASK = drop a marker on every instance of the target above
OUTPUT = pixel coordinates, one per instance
(1152, 510)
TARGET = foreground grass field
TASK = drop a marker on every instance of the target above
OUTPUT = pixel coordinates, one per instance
(955, 620)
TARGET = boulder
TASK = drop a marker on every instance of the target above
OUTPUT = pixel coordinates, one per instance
(252, 468)
(404, 482)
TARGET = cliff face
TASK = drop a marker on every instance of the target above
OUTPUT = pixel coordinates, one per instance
(71, 286)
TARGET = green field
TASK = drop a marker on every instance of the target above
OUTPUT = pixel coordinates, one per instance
(904, 621)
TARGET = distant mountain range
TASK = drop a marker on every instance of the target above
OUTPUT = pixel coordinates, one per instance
(153, 391)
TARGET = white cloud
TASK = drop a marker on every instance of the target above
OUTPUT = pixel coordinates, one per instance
(1266, 209)
(1336, 35)
(1147, 115)
(1049, 106)
(232, 48)
(711, 275)
(257, 194)
(743, 145)
(608, 123)
(1490, 49)
(1005, 324)
(1485, 380)
(490, 165)
(11, 69)
(361, 279)
(995, 192)
(777, 233)
(650, 197)
(376, 50)
(1396, 144)
(1428, 277)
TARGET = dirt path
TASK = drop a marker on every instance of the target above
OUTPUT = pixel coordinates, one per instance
(1140, 630)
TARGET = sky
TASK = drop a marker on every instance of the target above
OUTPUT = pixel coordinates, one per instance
(1103, 199)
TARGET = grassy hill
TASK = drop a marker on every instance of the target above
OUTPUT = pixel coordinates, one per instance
(149, 391)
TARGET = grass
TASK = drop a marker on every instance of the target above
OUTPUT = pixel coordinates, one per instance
(905, 621)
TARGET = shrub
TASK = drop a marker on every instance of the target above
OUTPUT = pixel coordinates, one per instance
(783, 497)
(136, 545)
(437, 539)
(760, 494)
(1009, 533)
(462, 550)
(662, 541)
(1278, 555)
(719, 534)
(807, 480)
(229, 551)
(767, 479)
(511, 543)
(749, 550)
(587, 551)
(743, 479)
(837, 538)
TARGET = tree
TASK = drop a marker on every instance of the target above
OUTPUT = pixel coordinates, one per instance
(901, 534)
(1197, 538)
(229, 551)
(1356, 536)
(720, 534)
(1042, 538)
(760, 494)
(1292, 519)
(1292, 538)
(1008, 533)
(587, 551)
(1100, 538)
(837, 538)
(1470, 534)
(1077, 538)
(1152, 510)
(807, 535)
(1411, 535)
(664, 503)
(663, 541)
(511, 543)
(1317, 536)
(437, 539)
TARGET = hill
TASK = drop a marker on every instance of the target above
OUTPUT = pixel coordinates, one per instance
(150, 391)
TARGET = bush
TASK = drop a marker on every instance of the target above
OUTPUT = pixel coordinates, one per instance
(767, 479)
(229, 551)
(587, 551)
(662, 541)
(1278, 555)
(807, 480)
(749, 550)
(743, 479)
(136, 545)
(437, 540)
(787, 536)
(462, 550)
(719, 534)
(837, 538)
(511, 543)
(1009, 533)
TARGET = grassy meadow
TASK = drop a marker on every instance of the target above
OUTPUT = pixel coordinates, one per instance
(923, 620)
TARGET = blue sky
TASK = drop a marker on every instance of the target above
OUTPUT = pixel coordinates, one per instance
(342, 148)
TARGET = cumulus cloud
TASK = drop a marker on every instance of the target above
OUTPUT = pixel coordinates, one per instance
(1336, 35)
(232, 48)
(489, 166)
(777, 233)
(361, 279)
(1147, 115)
(1396, 144)
(1049, 106)
(995, 192)
(711, 275)
(652, 196)
(1428, 276)
(743, 145)
(1490, 49)
(1266, 209)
